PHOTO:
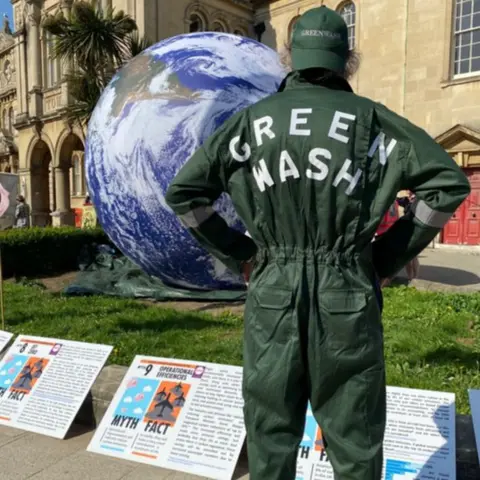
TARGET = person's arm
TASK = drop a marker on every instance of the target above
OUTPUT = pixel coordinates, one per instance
(191, 195)
(440, 187)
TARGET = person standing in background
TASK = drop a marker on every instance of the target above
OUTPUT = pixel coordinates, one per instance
(413, 266)
(22, 213)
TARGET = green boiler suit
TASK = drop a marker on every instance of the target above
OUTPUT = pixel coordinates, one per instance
(311, 171)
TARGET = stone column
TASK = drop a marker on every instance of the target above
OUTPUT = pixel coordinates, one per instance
(39, 196)
(21, 76)
(62, 214)
(34, 58)
(66, 65)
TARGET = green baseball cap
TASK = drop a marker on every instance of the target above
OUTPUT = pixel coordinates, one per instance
(320, 40)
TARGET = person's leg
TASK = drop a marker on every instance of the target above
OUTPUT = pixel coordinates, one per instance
(347, 373)
(412, 268)
(409, 270)
(415, 268)
(274, 386)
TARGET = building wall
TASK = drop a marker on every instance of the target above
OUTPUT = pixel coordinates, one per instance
(407, 57)
(158, 20)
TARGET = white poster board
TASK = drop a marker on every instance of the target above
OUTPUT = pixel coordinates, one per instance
(475, 408)
(419, 439)
(5, 337)
(44, 381)
(177, 414)
(8, 194)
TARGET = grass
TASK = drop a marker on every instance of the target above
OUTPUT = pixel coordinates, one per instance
(432, 340)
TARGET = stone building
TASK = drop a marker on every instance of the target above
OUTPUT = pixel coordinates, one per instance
(50, 151)
(157, 21)
(8, 98)
(420, 58)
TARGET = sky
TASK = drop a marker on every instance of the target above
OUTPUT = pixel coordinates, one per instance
(6, 7)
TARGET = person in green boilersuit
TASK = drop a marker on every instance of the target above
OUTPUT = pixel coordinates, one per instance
(311, 171)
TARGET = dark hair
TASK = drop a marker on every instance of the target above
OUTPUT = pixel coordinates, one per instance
(351, 66)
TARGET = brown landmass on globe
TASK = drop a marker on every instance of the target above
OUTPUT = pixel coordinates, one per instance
(132, 84)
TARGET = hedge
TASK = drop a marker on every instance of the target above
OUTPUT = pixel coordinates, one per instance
(44, 251)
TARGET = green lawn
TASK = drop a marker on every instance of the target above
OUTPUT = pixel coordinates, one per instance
(432, 339)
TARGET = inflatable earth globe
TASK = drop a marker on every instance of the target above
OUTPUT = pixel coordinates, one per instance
(151, 118)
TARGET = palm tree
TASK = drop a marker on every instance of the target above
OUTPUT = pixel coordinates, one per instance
(94, 42)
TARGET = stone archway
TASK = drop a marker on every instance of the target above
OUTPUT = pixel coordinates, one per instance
(69, 149)
(195, 18)
(41, 184)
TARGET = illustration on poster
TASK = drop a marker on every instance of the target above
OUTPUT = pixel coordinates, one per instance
(169, 400)
(134, 403)
(12, 368)
(199, 371)
(4, 199)
(20, 374)
(30, 373)
(312, 439)
(157, 407)
(55, 349)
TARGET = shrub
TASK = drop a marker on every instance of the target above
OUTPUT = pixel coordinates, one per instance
(44, 251)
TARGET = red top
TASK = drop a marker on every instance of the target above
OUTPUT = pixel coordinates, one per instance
(389, 219)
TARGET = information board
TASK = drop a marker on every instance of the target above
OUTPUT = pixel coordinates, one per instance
(44, 381)
(475, 408)
(419, 439)
(5, 337)
(177, 414)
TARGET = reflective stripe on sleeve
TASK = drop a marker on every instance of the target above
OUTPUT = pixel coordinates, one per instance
(194, 218)
(428, 216)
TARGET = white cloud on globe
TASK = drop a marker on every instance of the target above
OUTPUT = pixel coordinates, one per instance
(152, 117)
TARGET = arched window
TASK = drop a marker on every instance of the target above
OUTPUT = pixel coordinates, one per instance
(218, 27)
(467, 37)
(11, 120)
(77, 176)
(291, 26)
(51, 72)
(196, 24)
(5, 119)
(349, 14)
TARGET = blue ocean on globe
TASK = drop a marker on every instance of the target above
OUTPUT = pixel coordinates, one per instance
(151, 118)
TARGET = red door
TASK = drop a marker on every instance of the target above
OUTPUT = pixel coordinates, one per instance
(472, 210)
(464, 227)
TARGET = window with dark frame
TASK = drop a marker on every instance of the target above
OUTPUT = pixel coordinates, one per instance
(466, 38)
(349, 13)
